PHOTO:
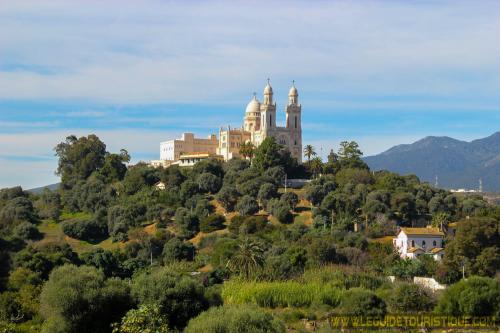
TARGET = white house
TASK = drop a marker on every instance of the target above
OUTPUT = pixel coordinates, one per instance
(413, 242)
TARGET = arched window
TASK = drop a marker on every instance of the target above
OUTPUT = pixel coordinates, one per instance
(270, 120)
(423, 243)
(434, 243)
(295, 121)
(412, 243)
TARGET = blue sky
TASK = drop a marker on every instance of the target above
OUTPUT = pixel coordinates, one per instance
(137, 73)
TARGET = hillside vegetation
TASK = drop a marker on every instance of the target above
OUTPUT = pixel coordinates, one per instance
(225, 248)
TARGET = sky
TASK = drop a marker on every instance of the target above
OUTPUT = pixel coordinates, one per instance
(139, 72)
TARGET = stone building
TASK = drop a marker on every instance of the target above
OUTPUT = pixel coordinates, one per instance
(414, 242)
(260, 122)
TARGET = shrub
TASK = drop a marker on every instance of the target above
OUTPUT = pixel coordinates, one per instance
(89, 230)
(290, 198)
(80, 299)
(362, 302)
(228, 197)
(209, 183)
(476, 296)
(235, 318)
(175, 250)
(212, 222)
(410, 298)
(180, 298)
(27, 230)
(147, 318)
(247, 206)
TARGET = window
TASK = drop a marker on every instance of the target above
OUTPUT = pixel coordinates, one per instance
(434, 243)
(423, 243)
(412, 243)
(295, 121)
(270, 120)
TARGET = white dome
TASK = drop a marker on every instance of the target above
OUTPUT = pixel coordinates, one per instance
(253, 106)
(293, 91)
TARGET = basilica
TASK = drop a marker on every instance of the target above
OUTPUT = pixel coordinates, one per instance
(259, 123)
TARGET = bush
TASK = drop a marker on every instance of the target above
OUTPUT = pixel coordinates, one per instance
(247, 206)
(290, 198)
(228, 197)
(209, 183)
(27, 230)
(235, 319)
(180, 298)
(187, 223)
(362, 302)
(80, 299)
(175, 250)
(410, 298)
(89, 230)
(212, 222)
(147, 318)
(476, 296)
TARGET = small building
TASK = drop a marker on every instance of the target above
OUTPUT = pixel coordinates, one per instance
(414, 242)
(188, 160)
(172, 150)
(161, 186)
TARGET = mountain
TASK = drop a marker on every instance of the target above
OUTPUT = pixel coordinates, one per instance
(458, 164)
(39, 190)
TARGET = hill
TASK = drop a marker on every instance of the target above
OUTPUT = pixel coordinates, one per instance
(38, 190)
(458, 164)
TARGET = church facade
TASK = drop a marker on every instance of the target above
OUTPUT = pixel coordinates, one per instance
(259, 123)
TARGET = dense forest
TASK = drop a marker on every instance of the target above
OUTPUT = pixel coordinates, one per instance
(224, 247)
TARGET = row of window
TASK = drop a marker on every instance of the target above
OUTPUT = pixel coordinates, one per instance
(434, 243)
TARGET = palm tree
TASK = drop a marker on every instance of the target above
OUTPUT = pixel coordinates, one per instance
(247, 259)
(309, 152)
(316, 165)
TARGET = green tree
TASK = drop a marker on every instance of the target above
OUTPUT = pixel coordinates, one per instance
(228, 197)
(290, 198)
(80, 299)
(49, 205)
(79, 158)
(209, 183)
(247, 206)
(179, 297)
(175, 249)
(476, 296)
(267, 192)
(361, 302)
(145, 319)
(115, 168)
(212, 223)
(235, 319)
(247, 259)
(410, 298)
(268, 155)
(476, 246)
(247, 150)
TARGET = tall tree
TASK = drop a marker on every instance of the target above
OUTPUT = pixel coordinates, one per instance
(309, 152)
(79, 158)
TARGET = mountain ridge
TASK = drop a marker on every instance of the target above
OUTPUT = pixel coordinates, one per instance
(457, 163)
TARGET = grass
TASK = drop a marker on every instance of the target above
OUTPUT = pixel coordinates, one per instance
(280, 294)
(52, 233)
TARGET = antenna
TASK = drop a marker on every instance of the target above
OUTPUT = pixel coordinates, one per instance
(436, 183)
(480, 185)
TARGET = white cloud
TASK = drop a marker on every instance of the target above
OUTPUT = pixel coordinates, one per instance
(179, 51)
